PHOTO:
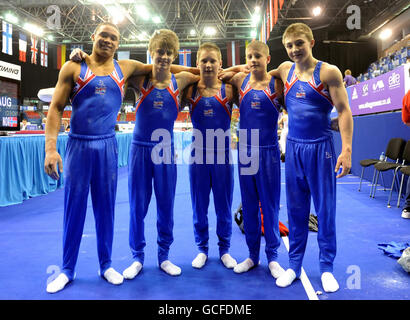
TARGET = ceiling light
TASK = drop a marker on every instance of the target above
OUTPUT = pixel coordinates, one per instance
(317, 11)
(11, 18)
(34, 29)
(255, 19)
(156, 19)
(209, 31)
(116, 13)
(385, 34)
(192, 32)
(142, 11)
(253, 34)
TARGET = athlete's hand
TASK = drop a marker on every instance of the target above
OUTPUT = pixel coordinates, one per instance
(344, 161)
(224, 75)
(77, 55)
(52, 160)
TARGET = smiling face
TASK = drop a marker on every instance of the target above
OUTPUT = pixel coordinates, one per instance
(163, 47)
(209, 63)
(298, 47)
(257, 60)
(162, 57)
(105, 40)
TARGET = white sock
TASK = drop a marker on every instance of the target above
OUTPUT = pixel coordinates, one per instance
(58, 283)
(170, 268)
(275, 269)
(200, 260)
(113, 276)
(244, 266)
(228, 261)
(286, 278)
(132, 271)
(329, 283)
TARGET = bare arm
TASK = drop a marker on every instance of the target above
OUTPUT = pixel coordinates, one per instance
(128, 67)
(185, 79)
(232, 94)
(229, 73)
(332, 76)
(175, 68)
(282, 71)
(132, 68)
(60, 96)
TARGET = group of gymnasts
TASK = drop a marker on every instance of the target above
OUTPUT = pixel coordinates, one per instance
(307, 88)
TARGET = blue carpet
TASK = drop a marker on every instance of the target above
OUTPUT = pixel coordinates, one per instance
(31, 247)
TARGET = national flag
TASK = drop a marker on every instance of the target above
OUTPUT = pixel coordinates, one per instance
(22, 47)
(123, 55)
(7, 32)
(271, 13)
(149, 59)
(44, 53)
(185, 57)
(232, 49)
(61, 55)
(262, 36)
(9, 121)
(34, 49)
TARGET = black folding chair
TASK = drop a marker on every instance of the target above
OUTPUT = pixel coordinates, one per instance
(370, 162)
(405, 169)
(394, 152)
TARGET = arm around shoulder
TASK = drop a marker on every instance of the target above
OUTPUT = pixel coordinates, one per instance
(134, 68)
(185, 79)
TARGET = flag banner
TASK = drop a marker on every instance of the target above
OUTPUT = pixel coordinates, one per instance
(7, 33)
(44, 53)
(185, 57)
(34, 49)
(232, 49)
(281, 3)
(22, 47)
(268, 18)
(275, 12)
(61, 55)
(123, 55)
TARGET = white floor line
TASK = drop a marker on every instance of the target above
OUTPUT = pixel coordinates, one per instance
(303, 277)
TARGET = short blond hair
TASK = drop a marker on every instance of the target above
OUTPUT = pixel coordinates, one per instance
(297, 29)
(209, 46)
(258, 46)
(164, 39)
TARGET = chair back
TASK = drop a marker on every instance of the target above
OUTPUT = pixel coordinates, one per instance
(395, 148)
(406, 153)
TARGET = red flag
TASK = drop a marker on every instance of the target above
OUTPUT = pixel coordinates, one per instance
(22, 47)
(275, 12)
(281, 3)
